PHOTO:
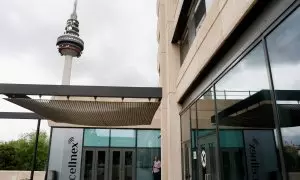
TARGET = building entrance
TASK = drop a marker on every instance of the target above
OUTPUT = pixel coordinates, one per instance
(108, 164)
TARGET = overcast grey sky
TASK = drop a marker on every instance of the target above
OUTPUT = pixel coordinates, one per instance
(120, 46)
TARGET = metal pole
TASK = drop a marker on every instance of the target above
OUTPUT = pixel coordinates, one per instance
(35, 149)
(48, 159)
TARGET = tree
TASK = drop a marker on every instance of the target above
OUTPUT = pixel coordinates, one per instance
(8, 158)
(18, 154)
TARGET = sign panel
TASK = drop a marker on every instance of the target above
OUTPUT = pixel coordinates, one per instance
(261, 154)
(65, 153)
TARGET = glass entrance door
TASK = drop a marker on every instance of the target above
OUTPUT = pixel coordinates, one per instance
(95, 164)
(122, 164)
(206, 154)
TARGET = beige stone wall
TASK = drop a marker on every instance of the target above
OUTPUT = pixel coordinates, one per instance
(222, 17)
(21, 175)
(168, 59)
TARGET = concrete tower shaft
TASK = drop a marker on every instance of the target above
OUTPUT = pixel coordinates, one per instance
(70, 44)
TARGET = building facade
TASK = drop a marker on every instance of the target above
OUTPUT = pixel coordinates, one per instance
(229, 72)
(103, 152)
(95, 153)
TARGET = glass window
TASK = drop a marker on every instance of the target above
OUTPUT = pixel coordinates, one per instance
(148, 138)
(231, 139)
(243, 103)
(96, 137)
(195, 19)
(145, 158)
(186, 156)
(283, 48)
(206, 139)
(122, 138)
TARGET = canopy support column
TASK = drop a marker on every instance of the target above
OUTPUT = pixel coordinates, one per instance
(37, 134)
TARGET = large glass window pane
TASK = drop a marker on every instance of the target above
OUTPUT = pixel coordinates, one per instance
(96, 137)
(283, 48)
(122, 138)
(148, 138)
(186, 150)
(244, 104)
(206, 139)
(145, 158)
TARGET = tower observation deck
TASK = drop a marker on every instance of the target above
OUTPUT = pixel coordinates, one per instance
(70, 44)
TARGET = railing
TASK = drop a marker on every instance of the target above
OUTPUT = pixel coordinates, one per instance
(230, 94)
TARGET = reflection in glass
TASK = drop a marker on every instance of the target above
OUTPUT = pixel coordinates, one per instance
(122, 138)
(194, 21)
(198, 135)
(283, 48)
(194, 124)
(206, 139)
(128, 169)
(145, 158)
(88, 165)
(101, 165)
(244, 106)
(148, 138)
(96, 137)
(116, 165)
(186, 145)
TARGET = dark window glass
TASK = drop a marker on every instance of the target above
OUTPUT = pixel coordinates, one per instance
(148, 138)
(283, 48)
(88, 165)
(128, 169)
(184, 46)
(196, 16)
(244, 104)
(101, 161)
(96, 137)
(145, 158)
(122, 138)
(199, 12)
(116, 165)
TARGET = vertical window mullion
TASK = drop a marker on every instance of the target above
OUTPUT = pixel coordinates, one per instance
(275, 110)
(218, 163)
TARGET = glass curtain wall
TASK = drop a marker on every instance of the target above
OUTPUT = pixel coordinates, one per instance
(199, 140)
(244, 111)
(256, 104)
(148, 147)
(146, 143)
(206, 137)
(283, 49)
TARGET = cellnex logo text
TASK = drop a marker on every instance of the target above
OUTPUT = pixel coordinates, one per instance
(72, 164)
(255, 165)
